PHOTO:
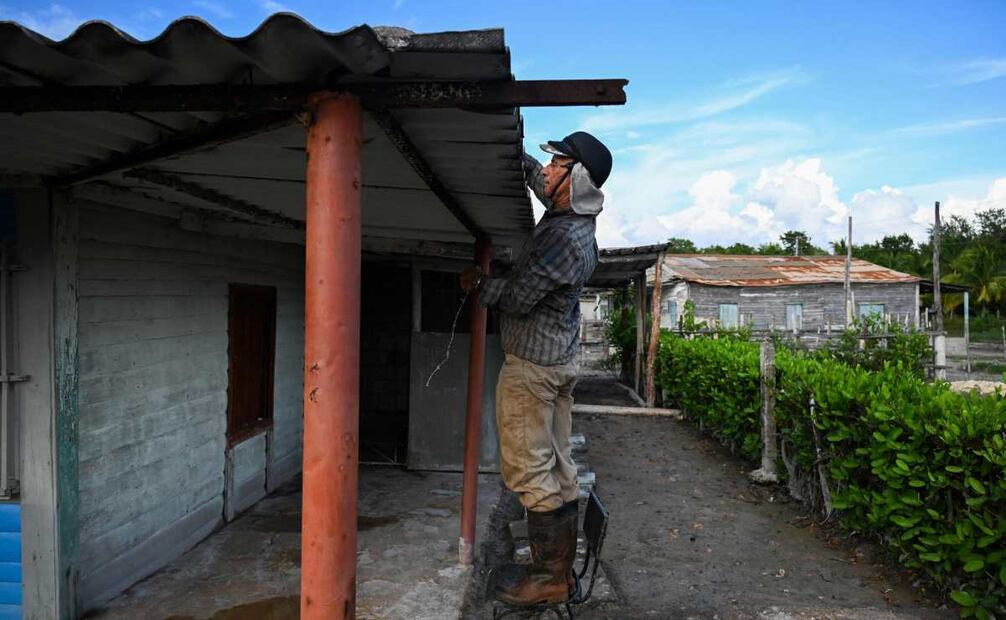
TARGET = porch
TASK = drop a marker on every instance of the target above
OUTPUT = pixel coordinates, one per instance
(250, 569)
(238, 254)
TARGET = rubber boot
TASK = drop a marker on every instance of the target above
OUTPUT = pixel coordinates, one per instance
(549, 578)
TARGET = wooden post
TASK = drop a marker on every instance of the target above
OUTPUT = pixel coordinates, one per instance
(849, 312)
(331, 358)
(651, 353)
(473, 412)
(769, 452)
(640, 324)
(939, 338)
(45, 312)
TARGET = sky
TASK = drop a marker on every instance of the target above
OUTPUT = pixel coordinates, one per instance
(744, 119)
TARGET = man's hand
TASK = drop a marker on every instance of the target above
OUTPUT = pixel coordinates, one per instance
(471, 278)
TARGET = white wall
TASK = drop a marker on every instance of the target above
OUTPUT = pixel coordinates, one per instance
(153, 386)
(678, 292)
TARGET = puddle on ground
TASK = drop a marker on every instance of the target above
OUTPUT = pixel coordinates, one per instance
(364, 522)
(278, 608)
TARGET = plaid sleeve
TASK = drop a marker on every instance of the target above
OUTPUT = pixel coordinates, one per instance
(554, 263)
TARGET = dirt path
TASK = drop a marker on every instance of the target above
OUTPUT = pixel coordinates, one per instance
(691, 538)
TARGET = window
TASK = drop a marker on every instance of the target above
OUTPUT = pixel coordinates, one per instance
(866, 310)
(794, 317)
(728, 316)
(671, 308)
(251, 336)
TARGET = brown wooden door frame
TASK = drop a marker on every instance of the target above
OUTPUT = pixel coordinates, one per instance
(251, 359)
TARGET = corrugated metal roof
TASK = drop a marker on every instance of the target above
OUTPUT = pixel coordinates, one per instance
(732, 270)
(616, 266)
(475, 155)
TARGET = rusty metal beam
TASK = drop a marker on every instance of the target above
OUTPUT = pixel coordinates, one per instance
(219, 133)
(235, 205)
(331, 360)
(473, 413)
(293, 97)
(393, 129)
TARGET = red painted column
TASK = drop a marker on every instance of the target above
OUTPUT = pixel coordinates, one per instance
(331, 358)
(473, 415)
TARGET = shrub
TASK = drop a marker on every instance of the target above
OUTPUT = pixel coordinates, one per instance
(914, 465)
(620, 332)
(910, 348)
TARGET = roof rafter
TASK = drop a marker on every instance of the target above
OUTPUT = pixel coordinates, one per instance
(293, 97)
(235, 205)
(393, 129)
(216, 134)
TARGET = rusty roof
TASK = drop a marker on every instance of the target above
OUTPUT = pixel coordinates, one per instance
(734, 270)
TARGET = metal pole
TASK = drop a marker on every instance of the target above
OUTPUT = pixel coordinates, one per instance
(848, 276)
(473, 415)
(940, 338)
(331, 358)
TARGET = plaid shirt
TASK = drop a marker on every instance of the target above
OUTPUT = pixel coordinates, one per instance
(539, 301)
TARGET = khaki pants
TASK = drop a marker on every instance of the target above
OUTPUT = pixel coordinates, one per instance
(534, 418)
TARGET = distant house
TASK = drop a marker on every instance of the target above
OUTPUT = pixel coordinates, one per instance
(803, 293)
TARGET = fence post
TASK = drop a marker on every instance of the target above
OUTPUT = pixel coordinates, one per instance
(769, 452)
(819, 460)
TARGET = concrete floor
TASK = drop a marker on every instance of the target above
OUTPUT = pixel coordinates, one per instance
(250, 569)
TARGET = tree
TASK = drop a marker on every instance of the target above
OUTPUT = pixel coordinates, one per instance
(980, 269)
(772, 249)
(677, 245)
(736, 249)
(992, 223)
(793, 240)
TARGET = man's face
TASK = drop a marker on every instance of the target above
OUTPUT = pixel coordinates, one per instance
(557, 181)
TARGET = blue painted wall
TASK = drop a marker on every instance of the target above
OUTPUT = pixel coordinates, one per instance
(10, 561)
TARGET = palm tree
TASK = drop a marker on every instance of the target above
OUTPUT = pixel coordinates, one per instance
(983, 270)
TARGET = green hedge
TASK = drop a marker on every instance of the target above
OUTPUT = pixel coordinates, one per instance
(913, 464)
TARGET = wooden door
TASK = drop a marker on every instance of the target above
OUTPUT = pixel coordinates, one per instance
(251, 330)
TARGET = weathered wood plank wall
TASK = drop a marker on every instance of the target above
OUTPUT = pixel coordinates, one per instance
(44, 314)
(153, 386)
(822, 303)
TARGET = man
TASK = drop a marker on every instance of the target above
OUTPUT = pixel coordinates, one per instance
(539, 307)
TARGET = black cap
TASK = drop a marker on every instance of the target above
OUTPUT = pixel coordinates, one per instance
(587, 150)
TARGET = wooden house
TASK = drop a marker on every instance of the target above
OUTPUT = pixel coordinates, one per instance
(801, 293)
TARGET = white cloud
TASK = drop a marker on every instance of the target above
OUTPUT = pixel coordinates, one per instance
(742, 92)
(802, 195)
(886, 211)
(713, 214)
(271, 6)
(55, 21)
(961, 206)
(948, 126)
(976, 71)
(215, 8)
